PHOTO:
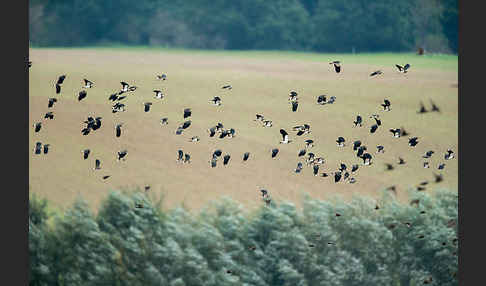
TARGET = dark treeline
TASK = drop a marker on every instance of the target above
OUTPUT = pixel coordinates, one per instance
(397, 244)
(305, 25)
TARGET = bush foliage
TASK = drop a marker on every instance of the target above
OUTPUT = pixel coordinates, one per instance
(396, 244)
(308, 25)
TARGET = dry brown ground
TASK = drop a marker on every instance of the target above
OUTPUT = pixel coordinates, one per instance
(259, 86)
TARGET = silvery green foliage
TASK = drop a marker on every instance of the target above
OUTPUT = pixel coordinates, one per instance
(83, 254)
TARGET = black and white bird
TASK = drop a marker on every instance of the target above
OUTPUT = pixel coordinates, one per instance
(340, 141)
(331, 100)
(310, 158)
(51, 102)
(361, 150)
(226, 159)
(299, 168)
(158, 94)
(217, 153)
(337, 176)
(46, 148)
(373, 128)
(162, 76)
(118, 107)
(285, 137)
(378, 72)
(246, 155)
(82, 94)
(124, 88)
(113, 97)
(37, 126)
(213, 162)
(366, 158)
(187, 158)
(122, 154)
(337, 66)
(438, 178)
(216, 100)
(380, 149)
(259, 117)
(376, 118)
(118, 129)
(85, 153)
(187, 112)
(403, 69)
(194, 139)
(396, 133)
(354, 168)
(164, 121)
(228, 87)
(274, 152)
(293, 96)
(422, 108)
(60, 80)
(97, 164)
(356, 145)
(426, 165)
(359, 121)
(295, 104)
(302, 153)
(315, 169)
(435, 108)
(185, 125)
(441, 166)
(96, 124)
(449, 155)
(38, 148)
(88, 84)
(147, 106)
(428, 154)
(342, 167)
(309, 143)
(49, 115)
(267, 123)
(264, 193)
(413, 141)
(321, 99)
(386, 105)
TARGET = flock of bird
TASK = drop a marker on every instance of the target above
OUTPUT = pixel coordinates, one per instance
(305, 158)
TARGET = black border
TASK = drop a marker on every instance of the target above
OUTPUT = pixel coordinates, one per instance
(15, 127)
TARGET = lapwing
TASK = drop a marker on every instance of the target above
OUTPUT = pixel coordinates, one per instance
(37, 126)
(299, 167)
(228, 87)
(428, 154)
(259, 117)
(82, 94)
(164, 121)
(449, 155)
(380, 149)
(113, 97)
(378, 72)
(180, 156)
(356, 145)
(51, 102)
(342, 167)
(321, 99)
(213, 162)
(337, 66)
(217, 153)
(187, 158)
(187, 112)
(426, 165)
(85, 153)
(295, 104)
(293, 96)
(354, 168)
(309, 143)
(361, 150)
(422, 108)
(124, 88)
(158, 94)
(97, 164)
(340, 141)
(49, 115)
(386, 105)
(301, 153)
(246, 155)
(358, 121)
(367, 158)
(194, 139)
(118, 129)
(373, 128)
(285, 137)
(216, 101)
(315, 169)
(122, 154)
(267, 123)
(331, 100)
(162, 76)
(274, 152)
(147, 106)
(413, 141)
(396, 132)
(337, 176)
(441, 166)
(46, 148)
(88, 84)
(226, 159)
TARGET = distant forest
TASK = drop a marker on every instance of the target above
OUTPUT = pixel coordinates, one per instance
(131, 241)
(300, 25)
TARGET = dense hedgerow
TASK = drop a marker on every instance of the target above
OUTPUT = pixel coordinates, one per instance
(397, 244)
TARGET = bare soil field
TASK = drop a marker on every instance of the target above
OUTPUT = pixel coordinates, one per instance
(260, 85)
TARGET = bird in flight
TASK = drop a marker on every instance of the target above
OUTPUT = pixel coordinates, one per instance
(285, 137)
(337, 66)
(88, 84)
(378, 72)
